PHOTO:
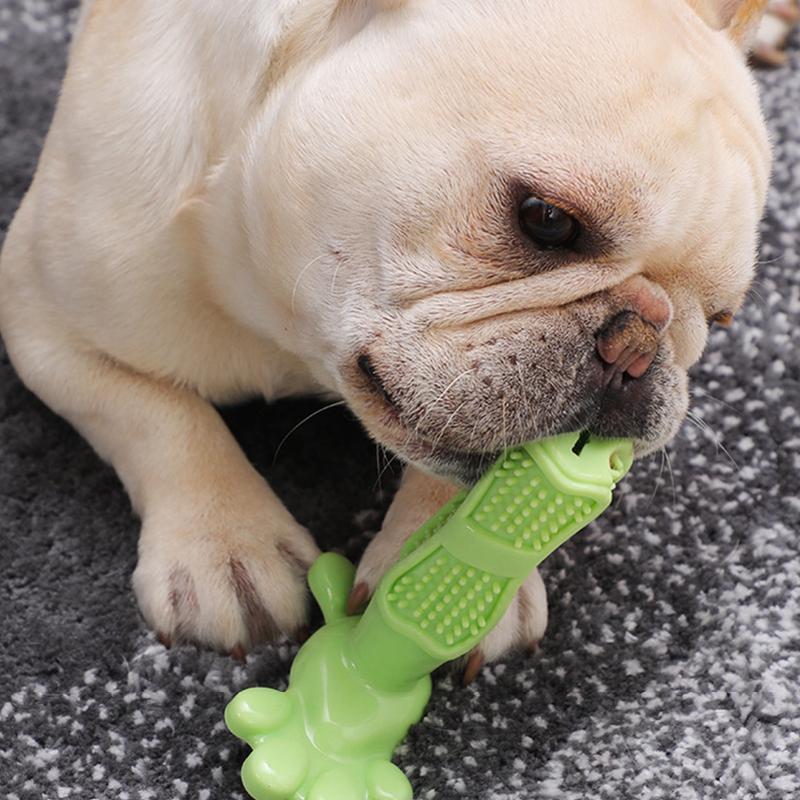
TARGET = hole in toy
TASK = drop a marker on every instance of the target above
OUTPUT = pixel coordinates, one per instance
(583, 440)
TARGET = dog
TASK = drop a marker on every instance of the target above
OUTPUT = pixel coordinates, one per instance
(476, 223)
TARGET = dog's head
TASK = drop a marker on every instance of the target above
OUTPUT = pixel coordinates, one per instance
(510, 219)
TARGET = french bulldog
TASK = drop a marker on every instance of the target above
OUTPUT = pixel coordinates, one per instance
(475, 223)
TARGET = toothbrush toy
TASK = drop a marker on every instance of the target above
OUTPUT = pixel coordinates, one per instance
(359, 683)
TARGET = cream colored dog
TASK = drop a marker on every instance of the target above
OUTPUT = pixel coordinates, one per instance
(477, 222)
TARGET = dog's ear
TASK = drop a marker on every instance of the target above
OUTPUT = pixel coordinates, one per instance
(740, 18)
(315, 26)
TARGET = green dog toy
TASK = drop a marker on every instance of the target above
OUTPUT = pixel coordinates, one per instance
(359, 683)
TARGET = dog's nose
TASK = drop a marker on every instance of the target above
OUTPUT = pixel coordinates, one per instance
(647, 299)
(628, 344)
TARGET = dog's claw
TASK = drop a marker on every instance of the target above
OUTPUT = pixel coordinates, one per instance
(238, 653)
(165, 640)
(473, 668)
(358, 598)
(533, 647)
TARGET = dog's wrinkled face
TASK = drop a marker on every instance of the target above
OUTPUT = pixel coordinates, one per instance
(522, 215)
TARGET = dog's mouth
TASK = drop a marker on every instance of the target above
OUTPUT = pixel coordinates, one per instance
(462, 439)
(375, 382)
(387, 418)
(465, 466)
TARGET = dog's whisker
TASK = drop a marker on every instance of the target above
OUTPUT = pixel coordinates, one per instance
(472, 434)
(760, 297)
(447, 423)
(303, 422)
(522, 406)
(704, 427)
(335, 275)
(703, 393)
(300, 277)
(504, 440)
(657, 485)
(700, 424)
(431, 406)
(388, 463)
(671, 476)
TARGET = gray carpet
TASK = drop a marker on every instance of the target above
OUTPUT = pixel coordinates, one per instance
(672, 664)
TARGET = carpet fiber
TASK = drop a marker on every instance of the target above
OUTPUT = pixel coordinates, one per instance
(672, 663)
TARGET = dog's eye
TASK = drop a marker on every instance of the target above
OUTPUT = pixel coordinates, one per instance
(547, 225)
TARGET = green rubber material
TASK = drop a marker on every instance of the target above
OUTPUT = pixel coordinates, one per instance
(359, 683)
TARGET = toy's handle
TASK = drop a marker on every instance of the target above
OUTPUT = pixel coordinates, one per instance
(465, 565)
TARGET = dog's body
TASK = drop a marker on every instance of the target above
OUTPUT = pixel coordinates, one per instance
(321, 196)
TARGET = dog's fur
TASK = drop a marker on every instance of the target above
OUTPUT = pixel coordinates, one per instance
(320, 196)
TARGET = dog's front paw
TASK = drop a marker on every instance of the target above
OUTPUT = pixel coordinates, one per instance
(228, 574)
(522, 626)
(781, 19)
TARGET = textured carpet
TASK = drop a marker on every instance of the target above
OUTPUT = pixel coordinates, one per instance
(672, 664)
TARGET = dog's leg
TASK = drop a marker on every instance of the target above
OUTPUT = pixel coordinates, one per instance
(418, 497)
(221, 561)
